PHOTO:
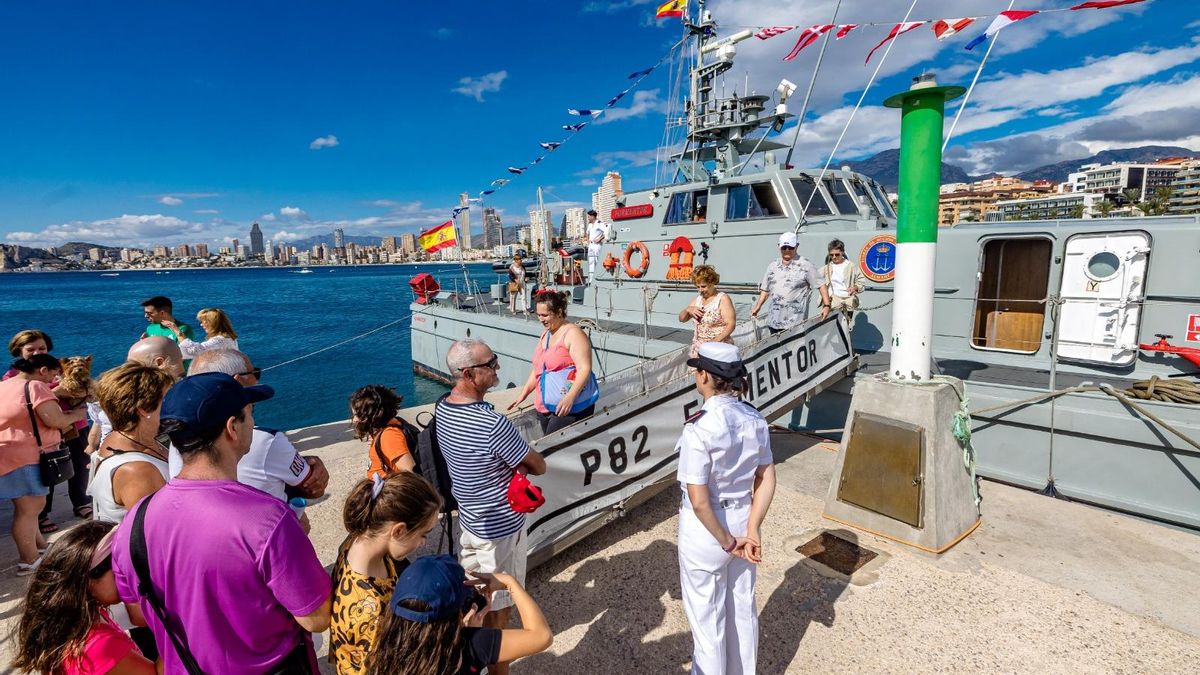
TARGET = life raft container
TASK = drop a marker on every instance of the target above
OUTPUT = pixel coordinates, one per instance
(645, 264)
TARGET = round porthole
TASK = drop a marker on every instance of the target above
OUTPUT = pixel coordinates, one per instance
(1103, 266)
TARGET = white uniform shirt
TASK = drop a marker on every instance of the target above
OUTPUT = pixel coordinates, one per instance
(596, 230)
(722, 447)
(271, 465)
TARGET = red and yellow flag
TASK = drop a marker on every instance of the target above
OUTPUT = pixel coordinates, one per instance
(671, 8)
(438, 238)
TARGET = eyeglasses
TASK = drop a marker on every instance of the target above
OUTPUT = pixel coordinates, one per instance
(257, 373)
(837, 254)
(494, 364)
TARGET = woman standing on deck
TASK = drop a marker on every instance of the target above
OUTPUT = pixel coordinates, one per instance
(788, 283)
(516, 284)
(711, 310)
(30, 422)
(561, 360)
(218, 333)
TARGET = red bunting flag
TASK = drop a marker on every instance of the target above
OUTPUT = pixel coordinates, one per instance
(898, 29)
(944, 28)
(806, 38)
(772, 31)
(1105, 4)
(844, 30)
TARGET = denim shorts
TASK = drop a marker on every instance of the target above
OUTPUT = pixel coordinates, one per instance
(23, 482)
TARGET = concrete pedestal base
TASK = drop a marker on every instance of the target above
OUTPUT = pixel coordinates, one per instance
(901, 475)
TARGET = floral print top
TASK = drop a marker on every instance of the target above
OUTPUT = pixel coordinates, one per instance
(789, 287)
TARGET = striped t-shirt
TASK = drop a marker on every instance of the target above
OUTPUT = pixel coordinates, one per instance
(482, 450)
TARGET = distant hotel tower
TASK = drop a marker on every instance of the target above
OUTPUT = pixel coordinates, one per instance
(604, 200)
(339, 238)
(493, 233)
(256, 240)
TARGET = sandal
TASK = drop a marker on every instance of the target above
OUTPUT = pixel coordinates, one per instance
(84, 512)
(25, 569)
(47, 526)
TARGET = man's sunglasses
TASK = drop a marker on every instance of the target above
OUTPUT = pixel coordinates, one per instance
(493, 363)
(257, 373)
(788, 248)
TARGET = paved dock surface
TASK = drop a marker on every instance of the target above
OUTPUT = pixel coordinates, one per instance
(1041, 585)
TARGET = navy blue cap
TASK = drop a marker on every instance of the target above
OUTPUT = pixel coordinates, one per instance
(437, 581)
(206, 401)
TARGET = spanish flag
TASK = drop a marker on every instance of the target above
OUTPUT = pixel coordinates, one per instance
(438, 238)
(671, 8)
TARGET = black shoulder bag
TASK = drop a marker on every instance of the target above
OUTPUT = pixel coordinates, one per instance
(54, 466)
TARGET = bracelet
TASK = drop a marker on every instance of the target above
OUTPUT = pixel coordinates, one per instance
(732, 545)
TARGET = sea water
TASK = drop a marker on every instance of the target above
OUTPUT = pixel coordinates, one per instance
(278, 314)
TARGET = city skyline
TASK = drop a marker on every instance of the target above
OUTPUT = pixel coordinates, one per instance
(91, 163)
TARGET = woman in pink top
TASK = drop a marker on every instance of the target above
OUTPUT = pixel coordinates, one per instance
(25, 344)
(712, 311)
(30, 422)
(64, 626)
(562, 346)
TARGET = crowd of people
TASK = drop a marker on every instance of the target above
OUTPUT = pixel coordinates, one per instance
(193, 561)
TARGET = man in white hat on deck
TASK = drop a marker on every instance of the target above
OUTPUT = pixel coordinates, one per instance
(728, 479)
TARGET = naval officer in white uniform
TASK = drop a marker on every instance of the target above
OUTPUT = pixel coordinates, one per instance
(596, 232)
(728, 479)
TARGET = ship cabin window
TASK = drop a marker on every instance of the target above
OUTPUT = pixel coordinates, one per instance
(846, 204)
(758, 200)
(687, 207)
(812, 200)
(1010, 304)
(864, 199)
(882, 198)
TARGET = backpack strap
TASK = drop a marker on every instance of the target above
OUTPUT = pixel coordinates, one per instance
(141, 567)
(37, 436)
(377, 446)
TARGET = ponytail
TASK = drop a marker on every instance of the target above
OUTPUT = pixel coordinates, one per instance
(403, 497)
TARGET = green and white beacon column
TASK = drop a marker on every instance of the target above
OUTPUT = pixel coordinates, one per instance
(922, 115)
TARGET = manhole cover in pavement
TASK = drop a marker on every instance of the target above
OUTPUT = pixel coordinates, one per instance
(836, 553)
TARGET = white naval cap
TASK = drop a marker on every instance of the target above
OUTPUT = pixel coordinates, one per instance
(719, 358)
(787, 239)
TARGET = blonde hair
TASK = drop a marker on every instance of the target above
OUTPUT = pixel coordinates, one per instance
(219, 320)
(706, 274)
(129, 388)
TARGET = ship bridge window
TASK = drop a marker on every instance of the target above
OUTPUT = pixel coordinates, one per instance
(1010, 304)
(841, 196)
(687, 207)
(863, 198)
(759, 200)
(812, 200)
(882, 198)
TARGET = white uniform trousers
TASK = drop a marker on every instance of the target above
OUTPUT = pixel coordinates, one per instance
(718, 594)
(593, 253)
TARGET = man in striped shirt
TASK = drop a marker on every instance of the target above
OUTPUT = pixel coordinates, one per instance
(483, 450)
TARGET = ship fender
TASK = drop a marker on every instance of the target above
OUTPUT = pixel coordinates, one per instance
(641, 268)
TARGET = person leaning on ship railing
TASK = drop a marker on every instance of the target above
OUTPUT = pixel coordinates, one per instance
(789, 282)
(562, 367)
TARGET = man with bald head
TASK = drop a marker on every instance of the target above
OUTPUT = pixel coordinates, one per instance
(158, 352)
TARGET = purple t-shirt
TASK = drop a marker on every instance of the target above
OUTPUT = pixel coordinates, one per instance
(232, 565)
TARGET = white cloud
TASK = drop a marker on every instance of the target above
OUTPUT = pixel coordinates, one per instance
(168, 200)
(207, 212)
(385, 203)
(476, 87)
(293, 212)
(643, 102)
(177, 198)
(126, 230)
(284, 235)
(329, 141)
(267, 217)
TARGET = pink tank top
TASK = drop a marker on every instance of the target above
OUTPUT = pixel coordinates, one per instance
(557, 357)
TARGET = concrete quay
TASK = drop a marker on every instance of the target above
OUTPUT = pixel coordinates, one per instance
(1041, 585)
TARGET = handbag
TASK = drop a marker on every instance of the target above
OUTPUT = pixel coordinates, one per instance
(54, 466)
(554, 384)
(513, 287)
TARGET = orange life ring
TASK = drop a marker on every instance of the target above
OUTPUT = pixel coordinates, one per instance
(640, 248)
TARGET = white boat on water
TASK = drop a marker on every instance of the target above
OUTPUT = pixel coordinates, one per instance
(302, 271)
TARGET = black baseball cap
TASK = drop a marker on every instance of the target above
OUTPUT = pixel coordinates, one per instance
(206, 401)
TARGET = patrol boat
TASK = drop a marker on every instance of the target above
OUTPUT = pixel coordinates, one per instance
(1049, 322)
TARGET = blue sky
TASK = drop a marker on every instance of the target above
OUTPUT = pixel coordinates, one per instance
(137, 123)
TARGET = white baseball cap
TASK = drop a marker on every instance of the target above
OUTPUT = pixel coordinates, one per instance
(787, 239)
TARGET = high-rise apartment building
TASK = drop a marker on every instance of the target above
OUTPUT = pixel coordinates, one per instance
(1185, 189)
(576, 223)
(408, 243)
(256, 240)
(464, 223)
(339, 238)
(389, 244)
(269, 251)
(604, 200)
(161, 252)
(539, 228)
(493, 229)
(200, 250)
(522, 235)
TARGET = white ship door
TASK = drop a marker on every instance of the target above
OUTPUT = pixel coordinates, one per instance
(1103, 285)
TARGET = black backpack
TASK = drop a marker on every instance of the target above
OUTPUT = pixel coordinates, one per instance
(430, 465)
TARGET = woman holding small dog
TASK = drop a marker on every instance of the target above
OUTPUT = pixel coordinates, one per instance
(30, 422)
(218, 333)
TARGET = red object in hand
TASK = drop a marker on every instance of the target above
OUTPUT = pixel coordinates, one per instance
(523, 496)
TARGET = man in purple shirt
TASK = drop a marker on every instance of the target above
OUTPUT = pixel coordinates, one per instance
(233, 573)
